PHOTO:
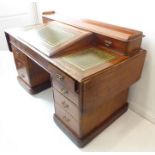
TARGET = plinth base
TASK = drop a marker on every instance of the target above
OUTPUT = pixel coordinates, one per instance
(85, 140)
(36, 89)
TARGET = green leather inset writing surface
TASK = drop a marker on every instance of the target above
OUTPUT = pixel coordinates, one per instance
(89, 58)
(47, 37)
(53, 35)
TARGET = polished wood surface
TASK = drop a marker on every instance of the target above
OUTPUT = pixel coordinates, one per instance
(91, 75)
(81, 142)
(96, 116)
(66, 104)
(113, 31)
(112, 81)
(123, 39)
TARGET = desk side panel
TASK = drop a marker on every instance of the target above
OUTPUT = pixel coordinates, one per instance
(112, 81)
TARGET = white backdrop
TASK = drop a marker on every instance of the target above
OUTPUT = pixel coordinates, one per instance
(14, 14)
(136, 14)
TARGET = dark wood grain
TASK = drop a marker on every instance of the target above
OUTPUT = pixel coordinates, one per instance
(112, 81)
(123, 39)
(66, 104)
(81, 142)
(92, 118)
(29, 73)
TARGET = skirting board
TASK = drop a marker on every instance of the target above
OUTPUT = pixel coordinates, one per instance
(147, 114)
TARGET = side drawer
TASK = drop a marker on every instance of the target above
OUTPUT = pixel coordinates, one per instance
(127, 48)
(68, 120)
(66, 105)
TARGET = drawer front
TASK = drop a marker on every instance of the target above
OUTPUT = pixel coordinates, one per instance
(64, 84)
(112, 43)
(66, 105)
(18, 54)
(67, 119)
(127, 48)
(22, 71)
(66, 92)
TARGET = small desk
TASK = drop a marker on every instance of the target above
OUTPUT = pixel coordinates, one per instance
(90, 66)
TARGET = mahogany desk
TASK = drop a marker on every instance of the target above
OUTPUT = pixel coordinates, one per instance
(89, 64)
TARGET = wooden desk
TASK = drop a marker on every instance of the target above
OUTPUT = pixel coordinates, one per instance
(90, 73)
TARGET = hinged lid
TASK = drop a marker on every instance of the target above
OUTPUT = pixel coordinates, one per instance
(52, 37)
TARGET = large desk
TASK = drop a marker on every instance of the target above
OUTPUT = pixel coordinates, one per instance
(90, 66)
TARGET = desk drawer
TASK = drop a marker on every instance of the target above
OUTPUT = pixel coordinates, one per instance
(66, 105)
(66, 92)
(64, 84)
(127, 48)
(67, 119)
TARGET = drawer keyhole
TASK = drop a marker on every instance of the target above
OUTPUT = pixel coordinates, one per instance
(64, 91)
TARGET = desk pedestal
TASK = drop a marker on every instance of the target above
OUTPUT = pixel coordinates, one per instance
(30, 75)
(81, 142)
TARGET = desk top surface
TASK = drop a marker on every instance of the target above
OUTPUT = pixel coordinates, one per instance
(76, 58)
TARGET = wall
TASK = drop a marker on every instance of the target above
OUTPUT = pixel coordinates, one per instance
(136, 14)
(13, 14)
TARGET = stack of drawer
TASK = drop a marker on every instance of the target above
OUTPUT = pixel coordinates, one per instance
(66, 98)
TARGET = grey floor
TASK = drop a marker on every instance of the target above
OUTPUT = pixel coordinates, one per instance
(27, 127)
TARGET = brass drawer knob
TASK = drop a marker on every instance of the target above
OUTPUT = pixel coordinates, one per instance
(65, 105)
(66, 119)
(107, 43)
(64, 91)
(59, 77)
